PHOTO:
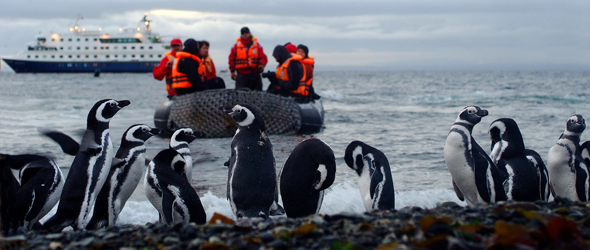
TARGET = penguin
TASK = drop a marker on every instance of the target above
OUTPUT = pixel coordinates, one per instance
(537, 162)
(568, 172)
(179, 141)
(375, 181)
(41, 184)
(476, 179)
(127, 169)
(170, 193)
(89, 170)
(524, 178)
(252, 180)
(308, 171)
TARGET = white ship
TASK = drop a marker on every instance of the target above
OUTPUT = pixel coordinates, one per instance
(130, 50)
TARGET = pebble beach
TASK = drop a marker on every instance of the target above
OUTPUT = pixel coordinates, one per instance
(560, 224)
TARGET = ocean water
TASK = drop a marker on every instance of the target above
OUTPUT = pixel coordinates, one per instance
(406, 114)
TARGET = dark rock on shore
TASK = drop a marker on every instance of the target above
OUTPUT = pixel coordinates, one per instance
(560, 224)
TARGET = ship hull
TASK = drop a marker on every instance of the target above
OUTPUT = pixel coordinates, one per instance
(24, 66)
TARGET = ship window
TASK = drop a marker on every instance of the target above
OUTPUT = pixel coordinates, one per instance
(61, 39)
(133, 56)
(106, 47)
(107, 56)
(53, 39)
(159, 55)
(132, 47)
(86, 48)
(95, 56)
(70, 56)
(124, 47)
(52, 56)
(61, 48)
(95, 39)
(87, 56)
(78, 39)
(116, 56)
(141, 47)
(124, 56)
(28, 56)
(36, 56)
(69, 39)
(151, 56)
(101, 47)
(141, 56)
(86, 39)
(78, 56)
(78, 48)
(150, 47)
(95, 48)
(61, 56)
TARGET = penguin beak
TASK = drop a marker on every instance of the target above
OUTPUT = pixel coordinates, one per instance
(227, 109)
(482, 113)
(123, 103)
(156, 131)
(199, 134)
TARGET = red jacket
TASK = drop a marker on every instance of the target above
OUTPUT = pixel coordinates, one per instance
(262, 59)
(161, 71)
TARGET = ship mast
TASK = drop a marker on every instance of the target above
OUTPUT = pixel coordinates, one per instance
(147, 24)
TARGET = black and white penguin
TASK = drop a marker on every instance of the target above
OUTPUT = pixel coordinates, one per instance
(170, 193)
(252, 180)
(537, 162)
(307, 172)
(11, 218)
(568, 172)
(180, 141)
(375, 181)
(523, 175)
(89, 170)
(41, 184)
(476, 179)
(127, 169)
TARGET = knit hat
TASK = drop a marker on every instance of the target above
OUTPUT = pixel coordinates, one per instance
(304, 48)
(191, 46)
(290, 48)
(244, 30)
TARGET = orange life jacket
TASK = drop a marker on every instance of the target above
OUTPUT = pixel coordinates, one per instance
(209, 68)
(247, 57)
(169, 88)
(180, 80)
(282, 73)
(308, 65)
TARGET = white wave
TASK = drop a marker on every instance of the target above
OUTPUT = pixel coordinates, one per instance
(331, 94)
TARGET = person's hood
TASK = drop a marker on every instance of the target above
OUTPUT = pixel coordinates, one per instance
(305, 49)
(281, 53)
(246, 41)
(191, 46)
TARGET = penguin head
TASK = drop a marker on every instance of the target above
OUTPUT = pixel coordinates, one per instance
(140, 133)
(183, 135)
(575, 124)
(104, 110)
(504, 133)
(247, 116)
(472, 115)
(169, 158)
(353, 156)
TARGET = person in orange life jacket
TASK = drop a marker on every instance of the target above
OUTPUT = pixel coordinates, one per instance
(210, 72)
(188, 71)
(289, 77)
(246, 61)
(291, 48)
(164, 69)
(309, 64)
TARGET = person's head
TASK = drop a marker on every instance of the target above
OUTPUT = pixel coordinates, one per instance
(191, 46)
(203, 49)
(281, 54)
(176, 45)
(302, 50)
(290, 48)
(245, 33)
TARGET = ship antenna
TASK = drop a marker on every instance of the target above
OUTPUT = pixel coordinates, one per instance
(147, 23)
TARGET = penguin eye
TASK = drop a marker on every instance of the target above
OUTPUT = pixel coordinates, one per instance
(112, 104)
(471, 111)
(144, 129)
(239, 111)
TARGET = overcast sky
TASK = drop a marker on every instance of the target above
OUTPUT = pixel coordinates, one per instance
(368, 34)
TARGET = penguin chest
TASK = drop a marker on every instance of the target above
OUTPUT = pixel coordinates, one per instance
(562, 173)
(364, 183)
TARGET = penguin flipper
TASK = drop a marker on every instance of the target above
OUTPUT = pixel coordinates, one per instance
(117, 162)
(167, 205)
(67, 144)
(582, 182)
(458, 192)
(38, 202)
